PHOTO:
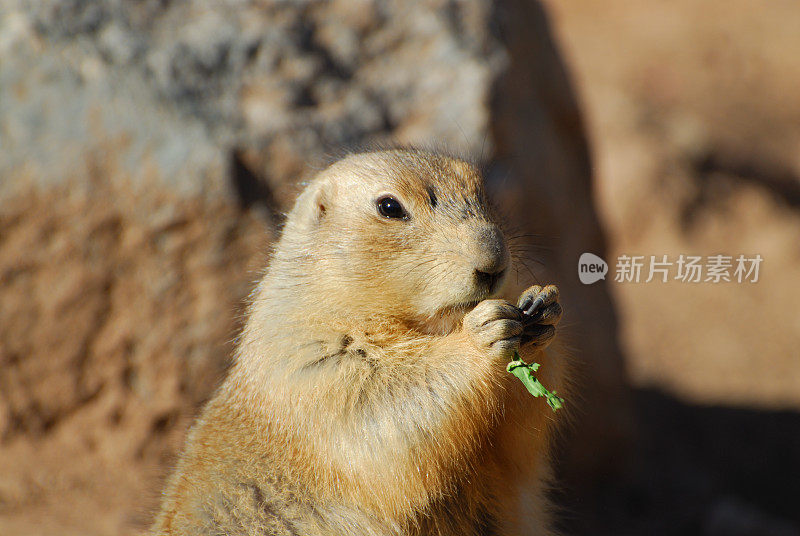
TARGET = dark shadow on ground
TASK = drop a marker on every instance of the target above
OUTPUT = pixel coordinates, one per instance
(710, 471)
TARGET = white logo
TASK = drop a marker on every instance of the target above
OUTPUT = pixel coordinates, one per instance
(591, 268)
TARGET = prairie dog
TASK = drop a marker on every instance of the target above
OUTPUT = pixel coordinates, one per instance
(369, 394)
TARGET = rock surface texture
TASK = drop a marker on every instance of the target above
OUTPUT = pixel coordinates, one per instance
(147, 151)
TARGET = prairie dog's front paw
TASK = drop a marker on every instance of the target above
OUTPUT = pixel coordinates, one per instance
(541, 314)
(495, 326)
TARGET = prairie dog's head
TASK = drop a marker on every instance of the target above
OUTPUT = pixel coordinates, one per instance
(398, 233)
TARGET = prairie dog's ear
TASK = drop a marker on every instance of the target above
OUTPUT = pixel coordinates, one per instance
(321, 201)
(315, 203)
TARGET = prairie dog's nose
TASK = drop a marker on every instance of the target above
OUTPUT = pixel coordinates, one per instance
(491, 257)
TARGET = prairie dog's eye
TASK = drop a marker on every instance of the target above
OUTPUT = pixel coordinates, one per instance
(389, 207)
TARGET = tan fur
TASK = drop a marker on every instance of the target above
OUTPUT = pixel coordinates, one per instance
(362, 400)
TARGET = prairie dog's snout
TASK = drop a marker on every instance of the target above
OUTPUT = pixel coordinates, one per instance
(490, 256)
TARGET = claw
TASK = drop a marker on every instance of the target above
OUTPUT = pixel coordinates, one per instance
(534, 306)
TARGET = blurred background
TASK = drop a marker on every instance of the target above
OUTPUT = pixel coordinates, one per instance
(148, 150)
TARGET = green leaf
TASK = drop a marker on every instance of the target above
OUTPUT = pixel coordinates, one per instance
(524, 372)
